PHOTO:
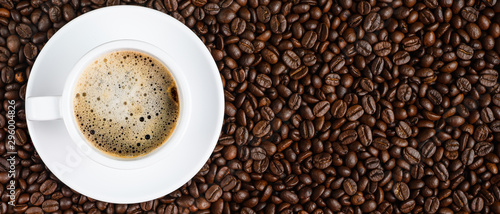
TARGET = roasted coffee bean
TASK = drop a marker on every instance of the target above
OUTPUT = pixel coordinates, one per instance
(401, 57)
(13, 43)
(225, 15)
(364, 48)
(44, 23)
(372, 163)
(267, 113)
(488, 77)
(245, 45)
(477, 204)
(404, 93)
(465, 52)
(276, 167)
(69, 14)
(291, 59)
(381, 143)
(408, 206)
(299, 73)
(55, 14)
(435, 97)
(24, 31)
(440, 171)
(34, 210)
(7, 75)
(238, 26)
(417, 171)
(278, 23)
(50, 206)
(431, 205)
(469, 14)
(369, 104)
(338, 109)
(377, 66)
(463, 84)
(289, 197)
(354, 112)
(309, 39)
(364, 8)
(489, 199)
(261, 129)
(468, 156)
(263, 13)
(37, 199)
(495, 126)
(350, 186)
(481, 133)
(21, 137)
(451, 145)
(376, 175)
(213, 193)
(30, 51)
(228, 183)
(401, 191)
(263, 81)
(322, 161)
(483, 148)
(455, 121)
(7, 4)
(348, 136)
(294, 101)
(382, 48)
(403, 130)
(411, 43)
(170, 5)
(366, 84)
(365, 134)
(372, 22)
(459, 198)
(487, 115)
(321, 108)
(337, 63)
(496, 99)
(411, 155)
(307, 129)
(309, 60)
(258, 153)
(48, 187)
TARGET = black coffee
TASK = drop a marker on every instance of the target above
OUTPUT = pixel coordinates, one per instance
(126, 103)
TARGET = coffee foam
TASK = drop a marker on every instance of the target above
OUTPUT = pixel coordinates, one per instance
(126, 103)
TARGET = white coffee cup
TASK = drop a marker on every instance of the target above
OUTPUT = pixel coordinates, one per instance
(61, 107)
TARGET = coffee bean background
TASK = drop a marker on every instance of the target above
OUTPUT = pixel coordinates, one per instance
(332, 106)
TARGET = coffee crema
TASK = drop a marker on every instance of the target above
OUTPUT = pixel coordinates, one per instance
(126, 103)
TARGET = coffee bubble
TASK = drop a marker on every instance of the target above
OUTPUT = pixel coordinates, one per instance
(126, 103)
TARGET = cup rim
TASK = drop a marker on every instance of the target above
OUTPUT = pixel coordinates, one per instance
(67, 108)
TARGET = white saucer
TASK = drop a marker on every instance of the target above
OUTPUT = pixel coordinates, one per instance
(97, 181)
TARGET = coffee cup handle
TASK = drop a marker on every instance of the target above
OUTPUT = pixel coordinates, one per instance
(43, 108)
